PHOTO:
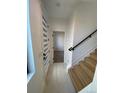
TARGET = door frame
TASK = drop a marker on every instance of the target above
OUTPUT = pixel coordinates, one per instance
(53, 43)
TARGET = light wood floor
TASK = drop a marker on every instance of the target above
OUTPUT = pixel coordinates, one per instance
(58, 80)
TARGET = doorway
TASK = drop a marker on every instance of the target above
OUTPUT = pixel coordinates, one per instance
(58, 46)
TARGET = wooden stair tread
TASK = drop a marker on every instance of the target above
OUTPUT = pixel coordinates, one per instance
(84, 78)
(87, 70)
(93, 56)
(82, 73)
(90, 62)
(76, 82)
(89, 66)
(76, 87)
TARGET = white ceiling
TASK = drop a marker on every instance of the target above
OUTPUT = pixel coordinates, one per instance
(64, 9)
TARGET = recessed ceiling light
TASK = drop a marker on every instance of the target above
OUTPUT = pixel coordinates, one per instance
(58, 4)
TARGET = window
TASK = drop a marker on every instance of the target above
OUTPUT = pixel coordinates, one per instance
(30, 57)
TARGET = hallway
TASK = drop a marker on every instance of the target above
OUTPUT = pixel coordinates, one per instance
(78, 21)
(58, 80)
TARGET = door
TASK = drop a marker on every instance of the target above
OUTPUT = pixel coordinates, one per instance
(58, 46)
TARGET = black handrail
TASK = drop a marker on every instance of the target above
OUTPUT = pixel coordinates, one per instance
(89, 36)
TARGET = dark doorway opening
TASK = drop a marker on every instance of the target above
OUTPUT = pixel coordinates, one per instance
(58, 46)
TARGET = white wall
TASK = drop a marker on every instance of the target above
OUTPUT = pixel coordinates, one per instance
(36, 84)
(85, 23)
(58, 24)
(49, 35)
(58, 41)
(86, 20)
(69, 41)
(81, 23)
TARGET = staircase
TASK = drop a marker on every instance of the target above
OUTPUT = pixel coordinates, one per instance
(82, 73)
